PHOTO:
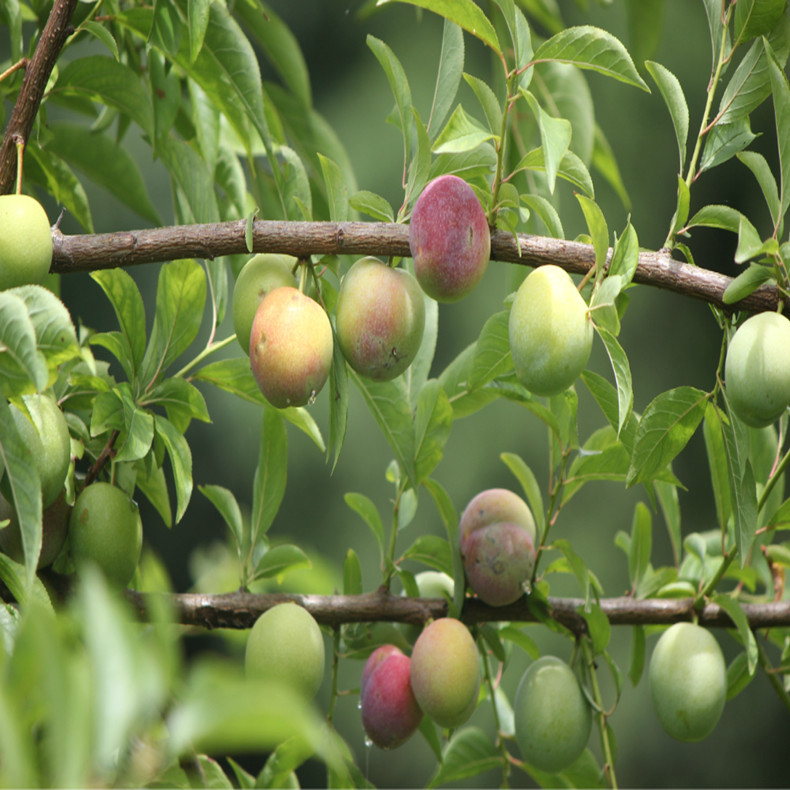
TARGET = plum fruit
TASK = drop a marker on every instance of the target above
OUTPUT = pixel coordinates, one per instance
(688, 681)
(757, 369)
(390, 713)
(291, 347)
(550, 331)
(25, 241)
(551, 715)
(285, 645)
(55, 524)
(262, 273)
(445, 672)
(449, 238)
(380, 318)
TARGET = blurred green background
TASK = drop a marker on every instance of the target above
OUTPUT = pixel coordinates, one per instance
(670, 340)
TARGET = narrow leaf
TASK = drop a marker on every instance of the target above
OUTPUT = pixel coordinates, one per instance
(672, 93)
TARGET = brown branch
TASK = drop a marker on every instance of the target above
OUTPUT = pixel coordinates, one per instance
(240, 610)
(37, 74)
(302, 239)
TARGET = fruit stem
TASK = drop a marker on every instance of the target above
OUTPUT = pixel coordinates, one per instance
(500, 148)
(207, 351)
(20, 155)
(600, 715)
(388, 561)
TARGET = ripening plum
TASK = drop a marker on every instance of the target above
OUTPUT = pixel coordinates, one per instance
(688, 681)
(552, 717)
(550, 331)
(445, 672)
(390, 713)
(449, 238)
(262, 273)
(290, 347)
(492, 506)
(757, 369)
(380, 318)
(285, 644)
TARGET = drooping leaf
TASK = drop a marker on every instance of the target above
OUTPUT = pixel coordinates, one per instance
(270, 474)
(555, 136)
(461, 133)
(23, 367)
(366, 509)
(432, 422)
(180, 462)
(448, 77)
(672, 93)
(468, 753)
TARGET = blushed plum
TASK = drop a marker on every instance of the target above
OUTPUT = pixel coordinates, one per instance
(380, 318)
(445, 672)
(390, 713)
(290, 347)
(492, 506)
(449, 239)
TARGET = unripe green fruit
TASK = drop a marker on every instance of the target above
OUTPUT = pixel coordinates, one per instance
(262, 273)
(48, 439)
(435, 584)
(550, 331)
(105, 529)
(688, 681)
(551, 715)
(449, 239)
(757, 369)
(445, 672)
(380, 318)
(286, 645)
(25, 241)
(54, 527)
(291, 347)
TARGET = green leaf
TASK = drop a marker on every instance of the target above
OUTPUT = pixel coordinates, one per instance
(641, 544)
(682, 209)
(577, 566)
(622, 376)
(672, 93)
(193, 179)
(589, 47)
(469, 752)
(488, 101)
(450, 520)
(780, 91)
(717, 463)
(125, 298)
(571, 168)
(180, 461)
(181, 400)
(224, 500)
(280, 559)
(529, 484)
(433, 551)
(607, 397)
(492, 351)
(180, 299)
(352, 574)
(596, 225)
(765, 178)
(625, 256)
(604, 161)
(748, 281)
(734, 611)
(637, 663)
(598, 626)
(432, 423)
(365, 508)
(464, 13)
(666, 426)
(373, 205)
(22, 366)
(270, 474)
(448, 77)
(724, 141)
(336, 189)
(555, 137)
(667, 494)
(547, 213)
(150, 480)
(197, 23)
(461, 133)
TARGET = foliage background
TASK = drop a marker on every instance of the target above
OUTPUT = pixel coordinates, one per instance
(671, 341)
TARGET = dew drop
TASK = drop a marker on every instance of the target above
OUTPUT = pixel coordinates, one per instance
(368, 742)
(311, 399)
(359, 705)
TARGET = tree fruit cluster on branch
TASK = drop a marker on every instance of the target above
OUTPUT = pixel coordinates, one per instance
(442, 623)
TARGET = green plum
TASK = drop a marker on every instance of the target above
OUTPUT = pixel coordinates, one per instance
(550, 331)
(449, 239)
(285, 644)
(291, 347)
(688, 681)
(54, 527)
(380, 318)
(445, 672)
(105, 529)
(262, 273)
(757, 369)
(551, 715)
(25, 241)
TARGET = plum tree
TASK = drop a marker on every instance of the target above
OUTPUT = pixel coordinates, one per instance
(105, 529)
(390, 713)
(445, 672)
(55, 523)
(550, 331)
(757, 369)
(291, 347)
(262, 273)
(25, 241)
(46, 433)
(449, 238)
(688, 681)
(497, 542)
(286, 645)
(551, 715)
(379, 318)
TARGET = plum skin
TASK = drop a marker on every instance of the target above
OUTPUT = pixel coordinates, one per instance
(497, 543)
(285, 644)
(449, 239)
(380, 317)
(757, 369)
(291, 347)
(688, 681)
(550, 331)
(445, 672)
(552, 716)
(25, 241)
(390, 713)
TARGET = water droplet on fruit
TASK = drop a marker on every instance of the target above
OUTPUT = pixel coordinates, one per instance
(368, 742)
(311, 399)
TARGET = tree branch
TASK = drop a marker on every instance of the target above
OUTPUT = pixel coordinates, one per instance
(37, 74)
(129, 248)
(240, 610)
